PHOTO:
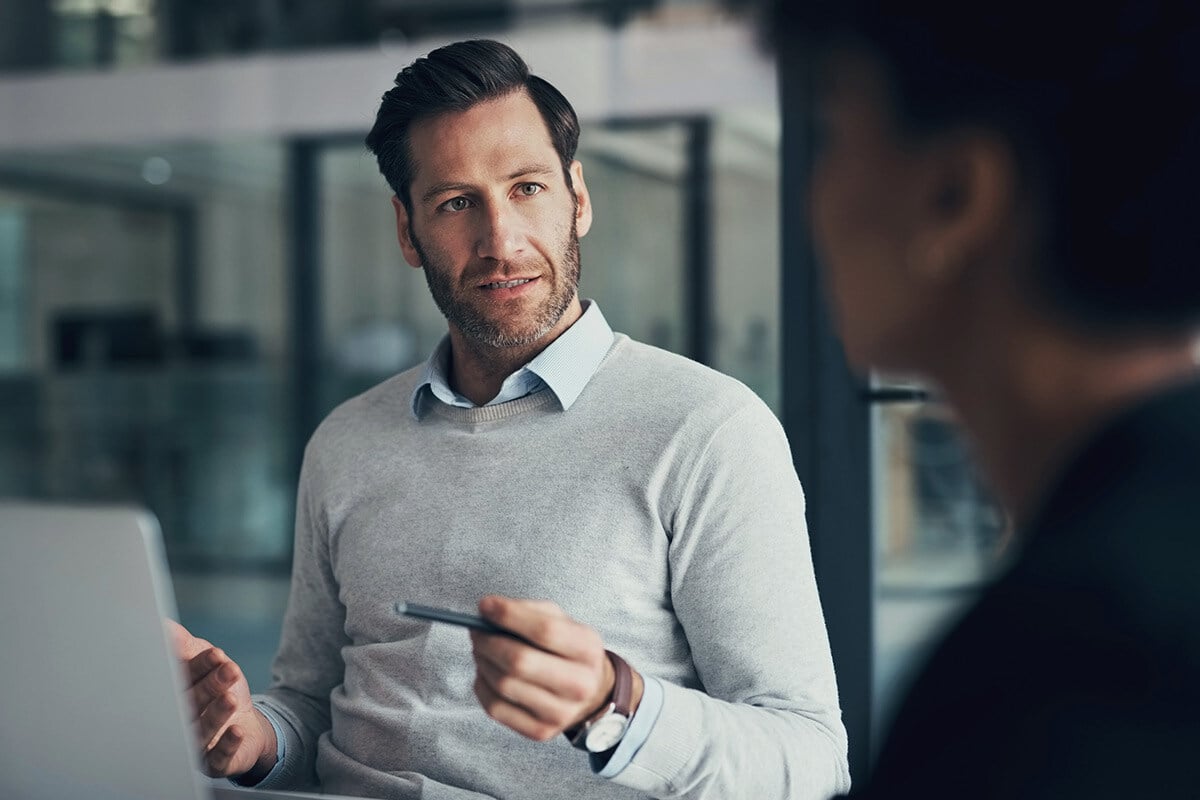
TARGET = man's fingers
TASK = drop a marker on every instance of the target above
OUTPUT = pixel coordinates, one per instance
(567, 661)
(199, 666)
(544, 624)
(221, 755)
(180, 638)
(538, 703)
(215, 716)
(216, 683)
(511, 715)
(183, 643)
(568, 680)
(203, 673)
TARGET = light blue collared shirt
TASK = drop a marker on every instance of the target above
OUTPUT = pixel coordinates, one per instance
(639, 731)
(564, 367)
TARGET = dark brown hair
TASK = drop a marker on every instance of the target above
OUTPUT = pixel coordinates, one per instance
(1101, 104)
(455, 78)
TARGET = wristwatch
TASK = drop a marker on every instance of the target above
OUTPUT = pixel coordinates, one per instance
(604, 729)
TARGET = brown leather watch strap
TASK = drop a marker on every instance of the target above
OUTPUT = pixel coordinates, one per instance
(622, 696)
(619, 701)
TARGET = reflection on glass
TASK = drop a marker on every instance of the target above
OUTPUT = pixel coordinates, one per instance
(376, 314)
(149, 367)
(105, 32)
(13, 278)
(939, 538)
(745, 188)
(633, 258)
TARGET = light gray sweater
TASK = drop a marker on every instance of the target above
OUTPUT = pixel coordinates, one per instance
(662, 509)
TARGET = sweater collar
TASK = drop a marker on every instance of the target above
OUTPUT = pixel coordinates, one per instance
(565, 366)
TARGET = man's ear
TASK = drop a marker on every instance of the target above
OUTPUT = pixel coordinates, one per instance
(404, 234)
(583, 201)
(968, 204)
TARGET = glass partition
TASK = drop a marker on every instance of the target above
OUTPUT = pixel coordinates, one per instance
(745, 211)
(145, 291)
(106, 34)
(376, 314)
(939, 536)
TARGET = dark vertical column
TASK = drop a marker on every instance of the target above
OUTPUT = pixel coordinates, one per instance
(106, 33)
(187, 240)
(828, 424)
(304, 321)
(178, 31)
(697, 246)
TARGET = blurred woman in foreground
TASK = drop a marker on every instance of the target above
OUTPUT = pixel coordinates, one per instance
(1006, 201)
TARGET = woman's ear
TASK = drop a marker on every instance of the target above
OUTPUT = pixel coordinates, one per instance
(967, 204)
(404, 234)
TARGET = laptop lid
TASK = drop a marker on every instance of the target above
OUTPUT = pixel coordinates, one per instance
(91, 695)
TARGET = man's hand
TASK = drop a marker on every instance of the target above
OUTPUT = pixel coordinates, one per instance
(235, 738)
(540, 693)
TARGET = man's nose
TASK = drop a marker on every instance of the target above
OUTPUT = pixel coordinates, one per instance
(500, 234)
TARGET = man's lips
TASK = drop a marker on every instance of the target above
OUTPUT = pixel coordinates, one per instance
(508, 283)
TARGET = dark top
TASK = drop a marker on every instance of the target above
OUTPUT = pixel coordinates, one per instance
(1077, 675)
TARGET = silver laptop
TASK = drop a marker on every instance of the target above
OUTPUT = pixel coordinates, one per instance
(91, 694)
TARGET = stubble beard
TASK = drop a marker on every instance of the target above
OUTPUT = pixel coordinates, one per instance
(473, 321)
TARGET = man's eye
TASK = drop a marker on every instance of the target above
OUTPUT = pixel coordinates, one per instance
(457, 204)
(529, 189)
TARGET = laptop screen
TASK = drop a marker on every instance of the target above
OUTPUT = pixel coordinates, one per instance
(91, 696)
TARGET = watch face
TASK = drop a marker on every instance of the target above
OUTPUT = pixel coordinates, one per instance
(606, 732)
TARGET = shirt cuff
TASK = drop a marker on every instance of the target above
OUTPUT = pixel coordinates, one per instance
(639, 731)
(280, 749)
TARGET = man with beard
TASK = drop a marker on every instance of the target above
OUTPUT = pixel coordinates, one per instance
(648, 503)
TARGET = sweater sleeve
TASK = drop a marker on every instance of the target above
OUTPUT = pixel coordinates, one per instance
(766, 723)
(308, 665)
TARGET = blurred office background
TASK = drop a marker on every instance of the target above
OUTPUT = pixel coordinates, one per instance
(198, 261)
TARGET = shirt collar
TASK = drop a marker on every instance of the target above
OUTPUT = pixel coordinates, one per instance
(565, 366)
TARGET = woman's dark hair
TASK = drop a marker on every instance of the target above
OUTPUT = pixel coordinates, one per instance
(455, 78)
(1101, 104)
